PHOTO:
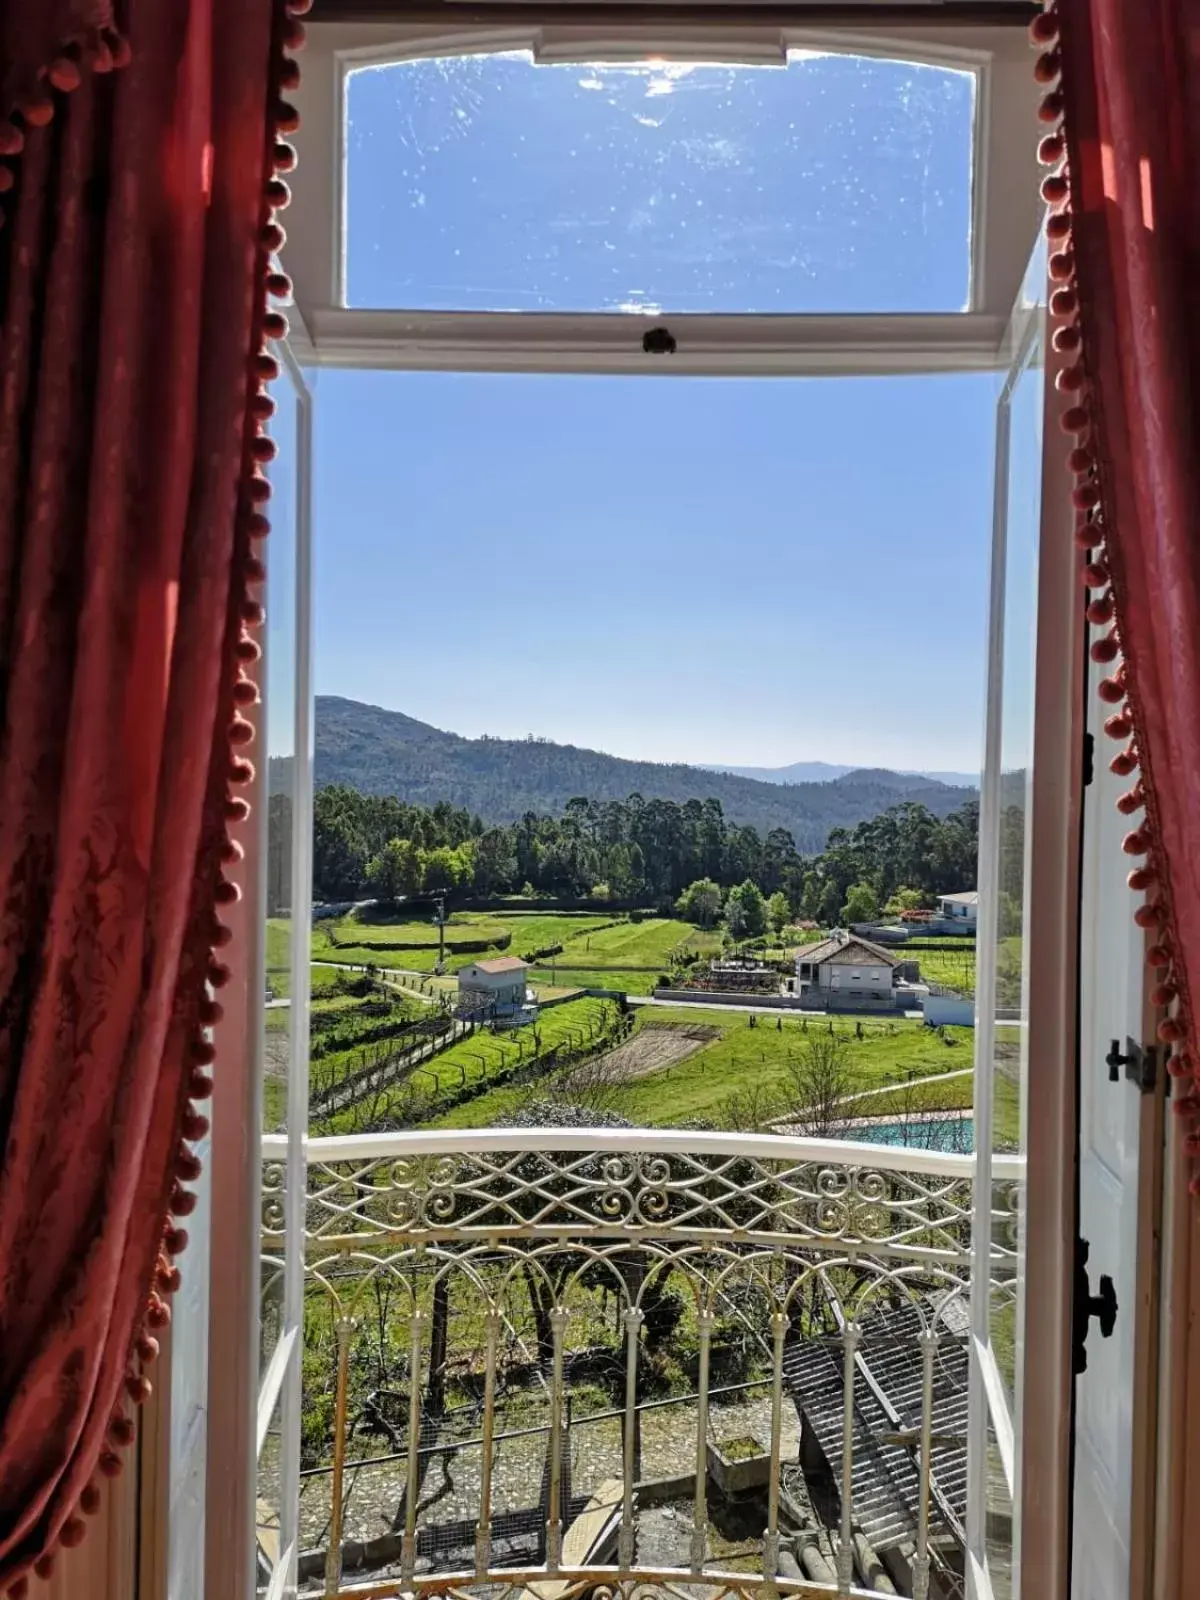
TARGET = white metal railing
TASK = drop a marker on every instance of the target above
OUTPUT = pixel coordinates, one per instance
(558, 1360)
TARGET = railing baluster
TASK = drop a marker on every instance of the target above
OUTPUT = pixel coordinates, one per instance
(928, 1340)
(558, 1323)
(343, 1328)
(704, 1323)
(483, 1529)
(771, 1537)
(408, 1549)
(633, 1322)
(845, 1555)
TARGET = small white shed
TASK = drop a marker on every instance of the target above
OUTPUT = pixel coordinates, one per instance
(498, 985)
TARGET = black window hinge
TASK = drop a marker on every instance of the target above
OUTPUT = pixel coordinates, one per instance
(1089, 758)
(1139, 1060)
(1102, 1306)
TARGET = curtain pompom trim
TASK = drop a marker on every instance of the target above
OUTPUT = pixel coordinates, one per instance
(1176, 1023)
(103, 51)
(35, 106)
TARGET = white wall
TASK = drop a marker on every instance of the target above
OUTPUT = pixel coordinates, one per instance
(865, 977)
(948, 1010)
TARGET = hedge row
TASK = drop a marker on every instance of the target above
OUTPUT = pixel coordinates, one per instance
(459, 947)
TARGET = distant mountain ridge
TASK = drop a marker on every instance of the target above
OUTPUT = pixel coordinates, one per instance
(831, 771)
(388, 752)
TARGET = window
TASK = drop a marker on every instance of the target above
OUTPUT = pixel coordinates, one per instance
(516, 282)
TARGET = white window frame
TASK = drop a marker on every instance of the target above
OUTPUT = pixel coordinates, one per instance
(988, 1399)
(1005, 212)
(241, 1399)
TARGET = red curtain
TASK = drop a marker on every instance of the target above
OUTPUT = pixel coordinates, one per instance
(136, 225)
(1125, 226)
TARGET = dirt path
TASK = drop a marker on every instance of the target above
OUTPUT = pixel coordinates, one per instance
(656, 1046)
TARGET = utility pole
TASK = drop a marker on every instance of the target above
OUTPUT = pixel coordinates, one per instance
(441, 906)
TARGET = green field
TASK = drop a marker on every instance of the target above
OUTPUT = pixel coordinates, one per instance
(745, 1057)
(599, 951)
(619, 979)
(630, 945)
(952, 966)
(351, 940)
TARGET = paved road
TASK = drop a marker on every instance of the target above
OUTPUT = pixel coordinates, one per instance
(796, 1011)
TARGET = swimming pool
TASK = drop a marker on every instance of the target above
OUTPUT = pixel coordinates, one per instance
(953, 1134)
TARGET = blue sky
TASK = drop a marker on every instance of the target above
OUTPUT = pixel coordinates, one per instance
(742, 571)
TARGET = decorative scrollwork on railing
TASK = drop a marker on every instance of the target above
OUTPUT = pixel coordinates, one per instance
(274, 1188)
(595, 1194)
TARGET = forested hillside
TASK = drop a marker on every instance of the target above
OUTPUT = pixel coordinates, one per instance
(634, 849)
(500, 780)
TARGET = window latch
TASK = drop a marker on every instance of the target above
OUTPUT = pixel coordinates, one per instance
(1102, 1306)
(1140, 1063)
(659, 342)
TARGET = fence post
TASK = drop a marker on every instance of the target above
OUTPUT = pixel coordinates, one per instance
(344, 1327)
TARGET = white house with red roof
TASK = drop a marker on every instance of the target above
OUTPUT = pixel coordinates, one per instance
(495, 988)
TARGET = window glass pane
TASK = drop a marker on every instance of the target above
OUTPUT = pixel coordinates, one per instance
(837, 184)
(267, 1504)
(998, 1537)
(279, 1019)
(280, 701)
(1010, 1048)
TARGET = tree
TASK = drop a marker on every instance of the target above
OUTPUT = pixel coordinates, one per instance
(778, 912)
(862, 904)
(905, 900)
(495, 861)
(700, 902)
(749, 1109)
(397, 870)
(746, 911)
(830, 906)
(818, 1082)
(445, 868)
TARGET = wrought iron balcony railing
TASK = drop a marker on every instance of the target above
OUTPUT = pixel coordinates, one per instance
(556, 1363)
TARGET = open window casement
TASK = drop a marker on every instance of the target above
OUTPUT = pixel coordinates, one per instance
(808, 323)
(401, 315)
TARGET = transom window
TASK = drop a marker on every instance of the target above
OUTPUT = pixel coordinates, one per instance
(830, 183)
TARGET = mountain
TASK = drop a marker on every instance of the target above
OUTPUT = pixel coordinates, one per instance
(829, 772)
(387, 752)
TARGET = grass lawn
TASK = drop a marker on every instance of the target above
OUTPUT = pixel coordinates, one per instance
(599, 950)
(741, 1056)
(279, 967)
(628, 957)
(619, 978)
(636, 944)
(380, 929)
(485, 1054)
(529, 931)
(958, 1094)
(746, 1056)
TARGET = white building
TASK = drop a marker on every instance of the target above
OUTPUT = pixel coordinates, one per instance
(960, 909)
(495, 988)
(845, 965)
